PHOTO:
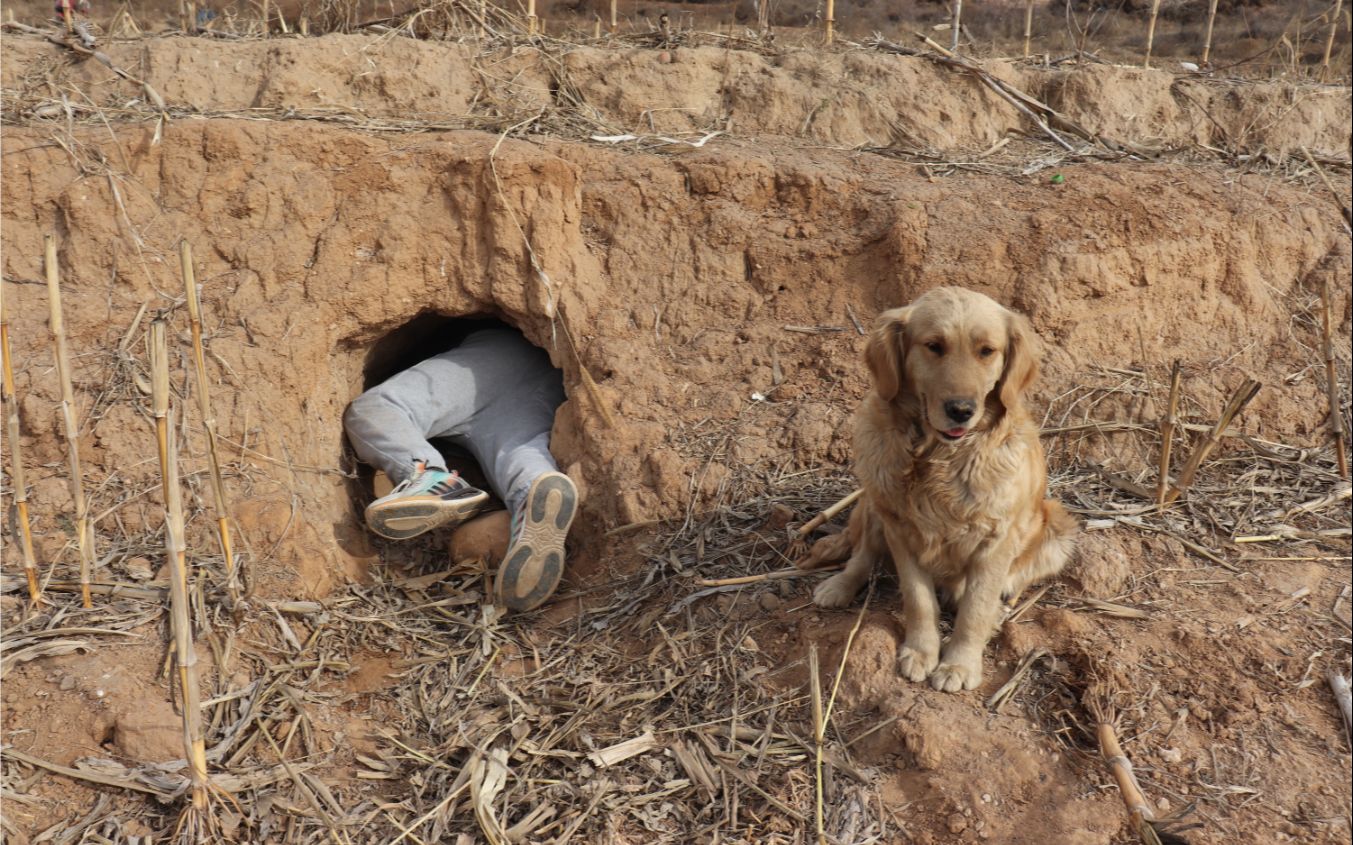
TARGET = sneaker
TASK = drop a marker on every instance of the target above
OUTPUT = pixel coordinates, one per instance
(534, 563)
(427, 499)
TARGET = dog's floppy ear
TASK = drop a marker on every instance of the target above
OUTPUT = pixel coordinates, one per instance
(1021, 359)
(884, 352)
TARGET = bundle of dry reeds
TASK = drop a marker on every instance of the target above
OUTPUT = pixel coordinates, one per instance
(16, 473)
(83, 528)
(208, 421)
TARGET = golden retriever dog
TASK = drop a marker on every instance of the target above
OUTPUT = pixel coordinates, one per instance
(954, 479)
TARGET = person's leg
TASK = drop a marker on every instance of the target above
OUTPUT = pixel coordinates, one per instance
(386, 427)
(510, 435)
(389, 426)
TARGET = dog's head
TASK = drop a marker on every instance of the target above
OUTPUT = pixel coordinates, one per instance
(964, 359)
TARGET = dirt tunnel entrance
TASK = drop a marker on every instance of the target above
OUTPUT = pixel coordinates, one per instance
(424, 336)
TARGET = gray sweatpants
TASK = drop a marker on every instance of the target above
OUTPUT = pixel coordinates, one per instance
(494, 395)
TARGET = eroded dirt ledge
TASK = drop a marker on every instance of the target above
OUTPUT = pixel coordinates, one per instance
(848, 99)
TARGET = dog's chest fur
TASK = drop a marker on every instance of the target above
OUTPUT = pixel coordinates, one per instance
(969, 484)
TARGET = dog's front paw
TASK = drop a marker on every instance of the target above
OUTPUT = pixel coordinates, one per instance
(952, 677)
(837, 591)
(915, 664)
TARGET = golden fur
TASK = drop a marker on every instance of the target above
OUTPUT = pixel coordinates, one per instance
(959, 504)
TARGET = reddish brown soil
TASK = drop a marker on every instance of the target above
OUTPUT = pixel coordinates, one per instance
(673, 279)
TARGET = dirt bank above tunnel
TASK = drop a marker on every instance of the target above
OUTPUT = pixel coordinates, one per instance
(849, 98)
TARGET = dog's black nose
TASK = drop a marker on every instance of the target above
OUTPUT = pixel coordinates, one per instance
(960, 410)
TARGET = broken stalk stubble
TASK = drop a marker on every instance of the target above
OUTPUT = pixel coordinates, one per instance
(83, 529)
(208, 421)
(30, 566)
(1332, 382)
(194, 744)
(1167, 435)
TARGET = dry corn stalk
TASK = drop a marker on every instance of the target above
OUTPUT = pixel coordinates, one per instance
(1239, 399)
(194, 741)
(16, 474)
(1151, 31)
(1207, 39)
(1332, 382)
(1028, 25)
(819, 736)
(1138, 811)
(180, 609)
(1335, 20)
(159, 388)
(1099, 701)
(1167, 435)
(830, 21)
(83, 529)
(208, 421)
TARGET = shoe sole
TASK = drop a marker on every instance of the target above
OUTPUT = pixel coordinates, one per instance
(400, 520)
(534, 565)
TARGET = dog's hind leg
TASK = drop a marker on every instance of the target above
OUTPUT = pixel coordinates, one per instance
(866, 545)
(1048, 553)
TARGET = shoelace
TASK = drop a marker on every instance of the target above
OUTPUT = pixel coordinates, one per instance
(420, 469)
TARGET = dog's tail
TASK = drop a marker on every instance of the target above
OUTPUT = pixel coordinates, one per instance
(828, 550)
(1050, 550)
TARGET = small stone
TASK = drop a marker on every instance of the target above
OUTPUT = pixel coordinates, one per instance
(1171, 755)
(67, 683)
(779, 517)
(957, 823)
(140, 569)
(769, 602)
(986, 797)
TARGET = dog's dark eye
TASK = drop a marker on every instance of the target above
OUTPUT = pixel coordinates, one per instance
(986, 352)
(936, 347)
